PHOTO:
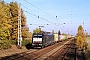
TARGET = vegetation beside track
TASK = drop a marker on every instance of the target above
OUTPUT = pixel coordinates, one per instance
(9, 25)
(5, 44)
(87, 52)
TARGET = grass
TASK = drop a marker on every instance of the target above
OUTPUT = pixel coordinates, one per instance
(87, 52)
(88, 41)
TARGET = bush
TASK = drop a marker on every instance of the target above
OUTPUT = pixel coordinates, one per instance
(5, 44)
(25, 42)
(13, 42)
(29, 46)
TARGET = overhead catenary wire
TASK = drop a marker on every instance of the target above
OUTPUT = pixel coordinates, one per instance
(74, 9)
(87, 18)
(38, 16)
(47, 13)
(35, 14)
(38, 8)
(26, 8)
(47, 20)
(38, 24)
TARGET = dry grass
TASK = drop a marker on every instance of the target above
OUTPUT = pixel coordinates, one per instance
(11, 51)
(87, 52)
(88, 41)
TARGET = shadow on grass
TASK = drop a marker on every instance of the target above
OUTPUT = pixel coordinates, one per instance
(29, 46)
(15, 56)
(71, 55)
(87, 55)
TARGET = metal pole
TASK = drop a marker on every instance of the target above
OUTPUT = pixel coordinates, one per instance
(2, 0)
(71, 17)
(19, 26)
(55, 25)
(18, 22)
(83, 25)
(20, 29)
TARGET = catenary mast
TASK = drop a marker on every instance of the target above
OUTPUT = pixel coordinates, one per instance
(19, 26)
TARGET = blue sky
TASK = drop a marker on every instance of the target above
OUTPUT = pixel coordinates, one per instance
(71, 12)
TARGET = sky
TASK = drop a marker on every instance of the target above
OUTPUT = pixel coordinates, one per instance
(71, 12)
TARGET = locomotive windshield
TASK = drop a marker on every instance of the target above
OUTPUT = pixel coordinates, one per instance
(37, 36)
(37, 39)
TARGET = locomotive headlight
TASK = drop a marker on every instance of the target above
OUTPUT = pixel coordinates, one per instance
(40, 44)
(33, 44)
(40, 41)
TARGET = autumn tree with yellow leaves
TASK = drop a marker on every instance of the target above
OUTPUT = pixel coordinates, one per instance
(9, 25)
(80, 37)
(4, 21)
(14, 21)
(37, 30)
(9, 22)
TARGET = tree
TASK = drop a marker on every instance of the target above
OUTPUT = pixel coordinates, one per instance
(80, 38)
(14, 21)
(25, 33)
(52, 31)
(4, 21)
(59, 32)
(86, 34)
(37, 30)
(30, 37)
(9, 21)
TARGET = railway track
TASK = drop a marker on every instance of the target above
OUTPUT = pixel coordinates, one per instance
(16, 56)
(70, 52)
(41, 52)
(48, 53)
(65, 53)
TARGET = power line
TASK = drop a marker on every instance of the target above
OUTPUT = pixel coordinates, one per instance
(75, 9)
(27, 8)
(35, 14)
(87, 18)
(38, 8)
(38, 16)
(38, 24)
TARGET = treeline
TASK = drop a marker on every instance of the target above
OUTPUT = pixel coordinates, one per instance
(9, 22)
(9, 25)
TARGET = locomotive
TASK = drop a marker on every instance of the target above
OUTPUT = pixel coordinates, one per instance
(42, 40)
(45, 39)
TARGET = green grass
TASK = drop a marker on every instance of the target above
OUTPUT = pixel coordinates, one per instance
(87, 52)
